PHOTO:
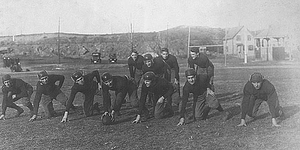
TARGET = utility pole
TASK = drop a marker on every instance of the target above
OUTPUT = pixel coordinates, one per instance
(131, 36)
(189, 39)
(58, 37)
(245, 46)
(225, 49)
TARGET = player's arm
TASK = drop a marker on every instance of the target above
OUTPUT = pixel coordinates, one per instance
(185, 97)
(23, 89)
(130, 67)
(69, 104)
(176, 69)
(36, 101)
(144, 93)
(106, 98)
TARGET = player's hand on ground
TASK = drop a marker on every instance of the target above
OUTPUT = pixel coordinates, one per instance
(181, 122)
(33, 118)
(243, 123)
(210, 92)
(2, 117)
(274, 123)
(176, 81)
(65, 118)
(137, 120)
(160, 100)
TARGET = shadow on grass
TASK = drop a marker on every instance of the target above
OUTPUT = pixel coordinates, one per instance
(230, 96)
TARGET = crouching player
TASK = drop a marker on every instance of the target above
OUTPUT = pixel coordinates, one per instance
(200, 88)
(87, 86)
(47, 90)
(162, 92)
(122, 85)
(14, 89)
(257, 90)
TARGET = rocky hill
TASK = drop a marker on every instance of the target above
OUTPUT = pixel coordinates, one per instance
(82, 45)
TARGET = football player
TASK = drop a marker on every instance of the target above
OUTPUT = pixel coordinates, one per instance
(47, 90)
(121, 85)
(15, 89)
(162, 95)
(86, 85)
(257, 90)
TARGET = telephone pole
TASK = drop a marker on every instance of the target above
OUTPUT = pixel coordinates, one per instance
(58, 40)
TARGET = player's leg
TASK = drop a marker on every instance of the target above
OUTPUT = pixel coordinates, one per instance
(132, 94)
(48, 106)
(14, 106)
(201, 107)
(257, 103)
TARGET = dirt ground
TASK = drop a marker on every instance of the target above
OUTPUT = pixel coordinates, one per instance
(89, 133)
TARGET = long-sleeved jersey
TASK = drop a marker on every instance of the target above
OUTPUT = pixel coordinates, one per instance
(135, 64)
(50, 89)
(266, 92)
(119, 84)
(159, 67)
(161, 87)
(201, 61)
(198, 88)
(18, 87)
(171, 60)
(88, 87)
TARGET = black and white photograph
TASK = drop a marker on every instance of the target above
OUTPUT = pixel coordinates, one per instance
(150, 74)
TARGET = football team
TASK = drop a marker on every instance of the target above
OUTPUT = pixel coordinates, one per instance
(160, 88)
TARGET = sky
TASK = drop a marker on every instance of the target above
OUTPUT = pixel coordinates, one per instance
(116, 16)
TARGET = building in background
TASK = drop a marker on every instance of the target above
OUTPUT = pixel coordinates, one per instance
(239, 42)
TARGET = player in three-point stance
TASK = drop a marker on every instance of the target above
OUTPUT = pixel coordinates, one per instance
(88, 87)
(121, 85)
(47, 90)
(162, 97)
(257, 90)
(203, 97)
(15, 89)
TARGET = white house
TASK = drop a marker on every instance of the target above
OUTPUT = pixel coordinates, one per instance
(239, 42)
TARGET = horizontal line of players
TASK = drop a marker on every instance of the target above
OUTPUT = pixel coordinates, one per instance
(160, 83)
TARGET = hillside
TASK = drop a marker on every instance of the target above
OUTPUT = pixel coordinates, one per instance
(81, 45)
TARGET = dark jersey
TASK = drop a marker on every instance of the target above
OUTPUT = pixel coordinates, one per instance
(161, 87)
(171, 60)
(119, 84)
(159, 67)
(135, 64)
(201, 61)
(89, 86)
(18, 87)
(266, 92)
(198, 88)
(50, 89)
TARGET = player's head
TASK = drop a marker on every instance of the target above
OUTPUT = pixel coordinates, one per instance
(149, 78)
(107, 79)
(148, 60)
(106, 119)
(134, 54)
(190, 75)
(194, 52)
(256, 79)
(43, 77)
(164, 53)
(6, 80)
(77, 77)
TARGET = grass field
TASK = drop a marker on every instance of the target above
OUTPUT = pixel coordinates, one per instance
(89, 133)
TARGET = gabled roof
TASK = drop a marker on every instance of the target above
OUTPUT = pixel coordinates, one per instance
(272, 32)
(232, 32)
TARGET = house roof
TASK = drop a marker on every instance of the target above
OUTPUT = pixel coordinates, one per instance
(232, 32)
(272, 32)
